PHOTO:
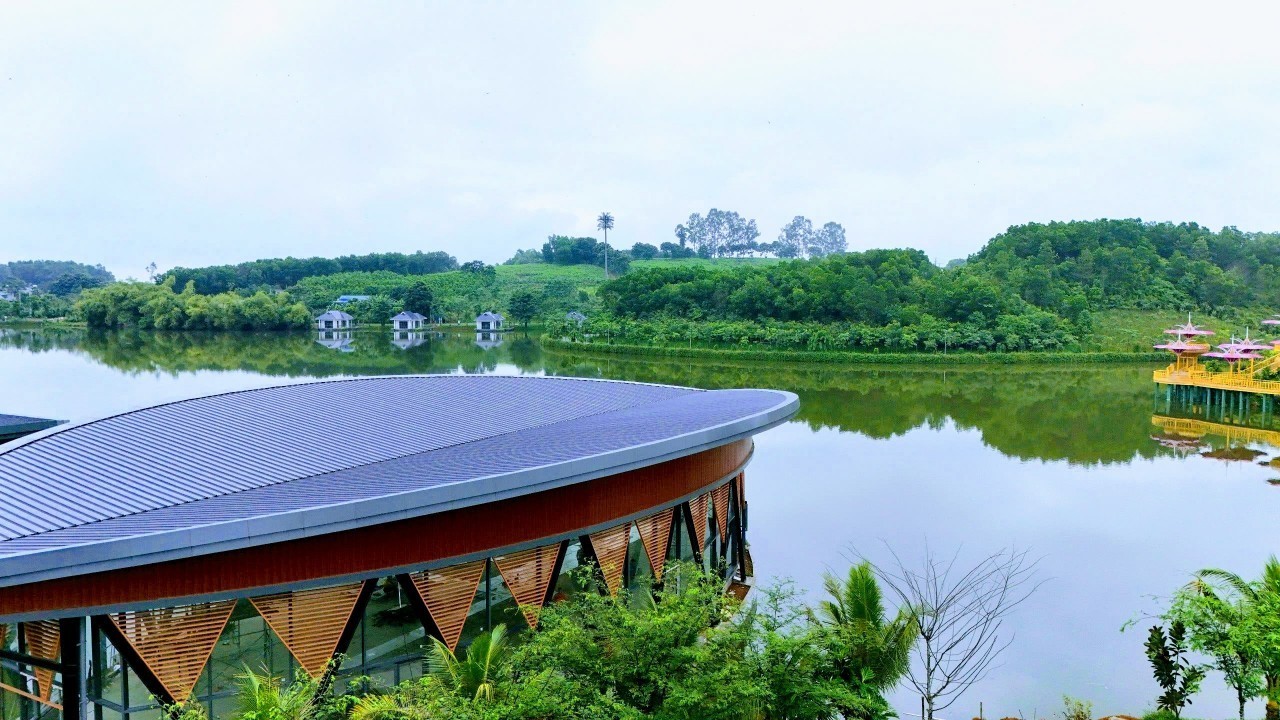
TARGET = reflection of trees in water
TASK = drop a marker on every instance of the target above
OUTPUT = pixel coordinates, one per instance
(370, 352)
(1087, 415)
(1083, 415)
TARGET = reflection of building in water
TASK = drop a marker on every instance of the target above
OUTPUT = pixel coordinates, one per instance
(488, 340)
(1194, 433)
(405, 339)
(335, 339)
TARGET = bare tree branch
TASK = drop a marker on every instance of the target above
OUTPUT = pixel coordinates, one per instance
(961, 612)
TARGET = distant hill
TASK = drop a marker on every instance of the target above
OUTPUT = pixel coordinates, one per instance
(281, 273)
(45, 273)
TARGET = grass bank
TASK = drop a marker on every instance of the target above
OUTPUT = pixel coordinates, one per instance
(862, 358)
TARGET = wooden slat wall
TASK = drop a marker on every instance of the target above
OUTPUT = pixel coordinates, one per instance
(43, 640)
(720, 497)
(370, 550)
(611, 552)
(448, 594)
(310, 622)
(698, 508)
(175, 643)
(655, 532)
(528, 576)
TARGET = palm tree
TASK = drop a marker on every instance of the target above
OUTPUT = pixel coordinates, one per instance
(476, 674)
(386, 707)
(1250, 593)
(265, 696)
(855, 613)
(605, 223)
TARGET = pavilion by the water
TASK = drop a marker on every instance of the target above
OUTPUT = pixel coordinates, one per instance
(1248, 365)
(147, 558)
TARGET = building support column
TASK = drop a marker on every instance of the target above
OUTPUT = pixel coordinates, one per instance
(75, 669)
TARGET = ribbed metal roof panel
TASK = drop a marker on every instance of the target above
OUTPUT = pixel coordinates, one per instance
(261, 466)
(206, 447)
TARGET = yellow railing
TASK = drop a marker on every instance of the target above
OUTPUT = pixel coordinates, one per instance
(1231, 380)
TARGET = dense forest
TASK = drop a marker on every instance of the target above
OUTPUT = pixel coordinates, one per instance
(59, 277)
(1033, 287)
(280, 273)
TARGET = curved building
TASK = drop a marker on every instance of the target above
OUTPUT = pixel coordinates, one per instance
(148, 557)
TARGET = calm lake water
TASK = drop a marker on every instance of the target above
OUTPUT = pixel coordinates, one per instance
(1068, 462)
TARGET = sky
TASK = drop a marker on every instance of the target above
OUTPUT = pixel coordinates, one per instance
(194, 134)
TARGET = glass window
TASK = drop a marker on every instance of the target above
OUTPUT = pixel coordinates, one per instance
(503, 607)
(247, 641)
(392, 628)
(108, 671)
(638, 573)
(566, 583)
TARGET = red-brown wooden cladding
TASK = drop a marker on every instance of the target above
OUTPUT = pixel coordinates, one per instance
(310, 622)
(448, 594)
(528, 576)
(175, 643)
(611, 552)
(655, 533)
(720, 497)
(698, 508)
(43, 640)
(369, 550)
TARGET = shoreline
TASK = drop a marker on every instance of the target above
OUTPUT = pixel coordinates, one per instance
(840, 357)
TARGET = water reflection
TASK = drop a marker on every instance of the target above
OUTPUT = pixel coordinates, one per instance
(1236, 428)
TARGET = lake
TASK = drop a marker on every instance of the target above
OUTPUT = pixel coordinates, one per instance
(1076, 464)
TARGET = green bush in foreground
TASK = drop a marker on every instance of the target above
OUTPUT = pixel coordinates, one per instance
(683, 651)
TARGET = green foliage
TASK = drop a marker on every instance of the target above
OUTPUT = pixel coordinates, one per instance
(1239, 623)
(280, 273)
(1076, 709)
(875, 651)
(1176, 675)
(644, 251)
(418, 297)
(148, 306)
(524, 306)
(477, 674)
(263, 697)
(44, 274)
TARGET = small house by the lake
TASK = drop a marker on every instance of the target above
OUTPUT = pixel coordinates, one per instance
(409, 321)
(334, 320)
(575, 317)
(488, 322)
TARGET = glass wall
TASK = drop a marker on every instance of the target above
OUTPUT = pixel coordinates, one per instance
(389, 640)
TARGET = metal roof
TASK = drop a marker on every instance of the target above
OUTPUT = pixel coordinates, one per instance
(334, 315)
(12, 426)
(267, 465)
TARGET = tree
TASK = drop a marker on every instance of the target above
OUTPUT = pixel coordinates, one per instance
(419, 298)
(1261, 601)
(960, 614)
(875, 651)
(524, 306)
(604, 223)
(1175, 674)
(477, 674)
(644, 251)
(796, 238)
(263, 697)
(151, 271)
(1220, 626)
(830, 240)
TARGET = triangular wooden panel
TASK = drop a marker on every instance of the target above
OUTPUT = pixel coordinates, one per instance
(698, 508)
(175, 643)
(310, 622)
(43, 639)
(528, 575)
(611, 552)
(655, 533)
(720, 497)
(448, 594)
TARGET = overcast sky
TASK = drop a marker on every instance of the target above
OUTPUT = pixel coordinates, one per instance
(223, 132)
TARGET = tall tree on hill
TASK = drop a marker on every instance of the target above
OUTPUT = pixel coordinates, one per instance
(604, 223)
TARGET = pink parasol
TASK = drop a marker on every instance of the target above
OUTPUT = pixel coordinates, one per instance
(1179, 347)
(1273, 320)
(1233, 355)
(1187, 330)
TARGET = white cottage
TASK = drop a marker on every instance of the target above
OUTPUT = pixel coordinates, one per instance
(575, 317)
(409, 321)
(334, 320)
(488, 322)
